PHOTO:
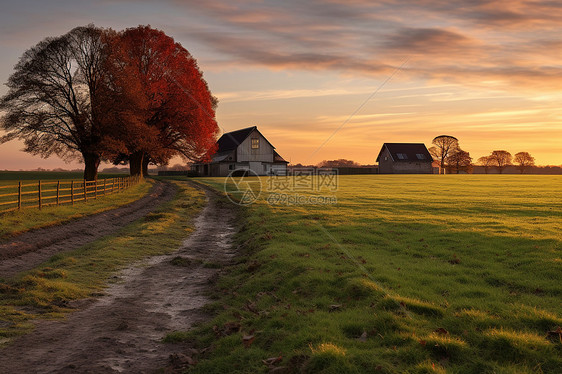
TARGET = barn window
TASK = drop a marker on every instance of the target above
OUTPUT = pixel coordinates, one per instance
(420, 156)
(402, 156)
(231, 167)
(255, 143)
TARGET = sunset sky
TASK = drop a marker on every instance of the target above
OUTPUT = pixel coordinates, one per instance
(487, 72)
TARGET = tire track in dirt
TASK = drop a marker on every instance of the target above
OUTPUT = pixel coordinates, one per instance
(121, 332)
(31, 248)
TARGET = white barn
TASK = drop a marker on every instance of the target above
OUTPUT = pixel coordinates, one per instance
(245, 149)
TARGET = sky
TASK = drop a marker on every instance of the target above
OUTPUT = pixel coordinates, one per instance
(330, 79)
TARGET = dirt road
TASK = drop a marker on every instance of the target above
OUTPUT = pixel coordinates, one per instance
(121, 332)
(30, 249)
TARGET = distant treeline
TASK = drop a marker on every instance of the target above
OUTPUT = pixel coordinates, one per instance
(537, 170)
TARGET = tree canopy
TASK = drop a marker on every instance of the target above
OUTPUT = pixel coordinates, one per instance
(54, 100)
(459, 161)
(177, 115)
(486, 162)
(500, 159)
(443, 147)
(524, 161)
(338, 163)
(133, 96)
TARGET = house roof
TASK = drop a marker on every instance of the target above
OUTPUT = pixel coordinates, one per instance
(218, 157)
(231, 140)
(407, 152)
(277, 158)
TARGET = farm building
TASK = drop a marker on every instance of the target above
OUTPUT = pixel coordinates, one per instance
(404, 158)
(245, 149)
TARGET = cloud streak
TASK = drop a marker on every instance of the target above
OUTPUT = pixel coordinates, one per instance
(469, 42)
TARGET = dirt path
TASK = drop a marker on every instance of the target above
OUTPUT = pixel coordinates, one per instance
(121, 332)
(30, 249)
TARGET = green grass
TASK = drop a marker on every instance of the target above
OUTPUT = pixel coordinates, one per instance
(45, 291)
(457, 274)
(15, 222)
(10, 176)
(56, 187)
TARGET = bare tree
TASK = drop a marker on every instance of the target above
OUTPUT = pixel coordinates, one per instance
(458, 161)
(443, 147)
(486, 162)
(524, 161)
(501, 159)
(53, 103)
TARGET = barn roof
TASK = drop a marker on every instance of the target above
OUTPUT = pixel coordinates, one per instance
(231, 140)
(278, 159)
(407, 152)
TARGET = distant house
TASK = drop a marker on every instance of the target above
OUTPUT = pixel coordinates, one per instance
(404, 158)
(245, 149)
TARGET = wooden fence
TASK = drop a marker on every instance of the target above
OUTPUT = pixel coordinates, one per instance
(40, 194)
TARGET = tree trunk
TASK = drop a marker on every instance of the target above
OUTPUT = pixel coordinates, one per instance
(145, 162)
(135, 163)
(91, 163)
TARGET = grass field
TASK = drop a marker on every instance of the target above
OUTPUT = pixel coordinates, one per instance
(418, 274)
(45, 291)
(9, 176)
(16, 222)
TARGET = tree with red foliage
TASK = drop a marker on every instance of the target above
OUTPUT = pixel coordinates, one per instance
(174, 111)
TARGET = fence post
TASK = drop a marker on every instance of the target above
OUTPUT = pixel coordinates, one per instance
(96, 189)
(19, 195)
(39, 194)
(104, 184)
(58, 194)
(85, 191)
(72, 192)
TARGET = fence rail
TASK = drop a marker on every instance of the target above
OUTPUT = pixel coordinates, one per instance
(40, 194)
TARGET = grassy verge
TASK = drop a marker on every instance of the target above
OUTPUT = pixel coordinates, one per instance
(8, 177)
(405, 274)
(16, 222)
(45, 291)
